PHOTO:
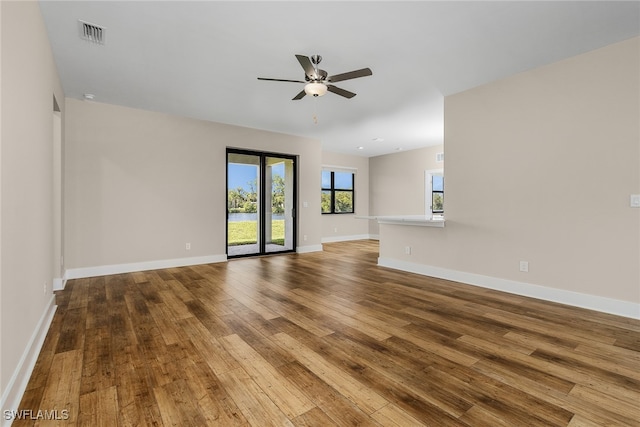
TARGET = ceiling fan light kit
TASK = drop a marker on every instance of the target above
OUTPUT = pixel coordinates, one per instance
(315, 89)
(318, 82)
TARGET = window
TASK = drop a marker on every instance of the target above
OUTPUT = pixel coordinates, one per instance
(337, 192)
(434, 192)
(437, 194)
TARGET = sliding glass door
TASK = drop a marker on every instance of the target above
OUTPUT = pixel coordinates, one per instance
(279, 204)
(243, 204)
(260, 203)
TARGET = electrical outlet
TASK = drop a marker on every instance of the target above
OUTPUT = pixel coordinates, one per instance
(634, 201)
(524, 266)
(335, 229)
(407, 250)
(187, 246)
(304, 237)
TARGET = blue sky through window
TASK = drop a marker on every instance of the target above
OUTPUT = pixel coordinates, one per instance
(342, 180)
(240, 175)
(326, 179)
(438, 183)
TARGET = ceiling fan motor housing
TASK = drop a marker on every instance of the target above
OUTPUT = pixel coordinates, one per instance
(321, 75)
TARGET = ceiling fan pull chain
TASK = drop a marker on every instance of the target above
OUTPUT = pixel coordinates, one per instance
(315, 110)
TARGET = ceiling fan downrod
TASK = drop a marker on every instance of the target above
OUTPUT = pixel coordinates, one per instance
(321, 75)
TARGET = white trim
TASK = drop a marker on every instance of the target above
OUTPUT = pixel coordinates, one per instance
(591, 302)
(59, 283)
(419, 220)
(416, 220)
(309, 248)
(332, 168)
(105, 270)
(346, 238)
(18, 383)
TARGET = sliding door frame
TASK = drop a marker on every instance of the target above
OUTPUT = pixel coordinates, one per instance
(262, 200)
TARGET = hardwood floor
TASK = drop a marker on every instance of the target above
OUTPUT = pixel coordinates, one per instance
(325, 339)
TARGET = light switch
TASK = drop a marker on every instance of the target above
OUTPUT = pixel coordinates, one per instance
(634, 201)
(305, 204)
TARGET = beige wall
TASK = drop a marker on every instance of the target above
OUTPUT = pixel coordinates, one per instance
(540, 167)
(346, 226)
(397, 182)
(29, 81)
(140, 184)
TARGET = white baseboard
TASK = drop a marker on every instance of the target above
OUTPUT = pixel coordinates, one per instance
(333, 239)
(307, 249)
(576, 299)
(58, 284)
(105, 270)
(18, 383)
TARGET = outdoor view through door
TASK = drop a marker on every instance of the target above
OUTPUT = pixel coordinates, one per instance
(260, 203)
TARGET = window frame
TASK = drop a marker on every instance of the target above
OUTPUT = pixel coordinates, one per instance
(333, 190)
(429, 192)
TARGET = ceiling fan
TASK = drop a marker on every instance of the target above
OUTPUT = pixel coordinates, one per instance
(318, 82)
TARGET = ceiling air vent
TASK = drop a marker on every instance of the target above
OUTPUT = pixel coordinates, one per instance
(440, 157)
(92, 32)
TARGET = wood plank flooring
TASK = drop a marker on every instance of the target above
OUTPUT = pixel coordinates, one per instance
(324, 339)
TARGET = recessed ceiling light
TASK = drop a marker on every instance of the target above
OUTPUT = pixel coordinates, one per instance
(399, 149)
(378, 139)
(360, 148)
(89, 96)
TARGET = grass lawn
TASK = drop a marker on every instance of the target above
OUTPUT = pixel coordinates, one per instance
(245, 232)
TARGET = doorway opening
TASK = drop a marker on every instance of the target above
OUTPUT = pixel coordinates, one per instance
(261, 203)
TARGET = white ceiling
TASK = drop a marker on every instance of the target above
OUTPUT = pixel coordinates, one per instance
(201, 59)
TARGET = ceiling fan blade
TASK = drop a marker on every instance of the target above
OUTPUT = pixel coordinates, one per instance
(299, 96)
(309, 70)
(281, 80)
(341, 92)
(350, 75)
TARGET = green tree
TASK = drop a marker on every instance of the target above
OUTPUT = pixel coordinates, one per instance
(344, 201)
(277, 194)
(438, 202)
(250, 207)
(236, 198)
(325, 202)
(252, 194)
